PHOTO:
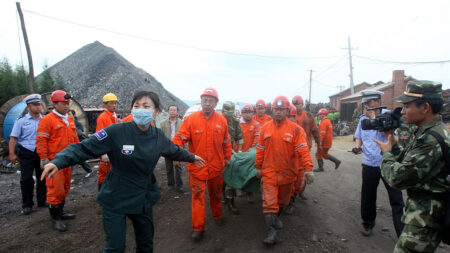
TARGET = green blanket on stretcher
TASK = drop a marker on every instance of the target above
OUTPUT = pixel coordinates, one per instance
(240, 174)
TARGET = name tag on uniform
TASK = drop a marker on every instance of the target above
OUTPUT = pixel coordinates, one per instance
(127, 149)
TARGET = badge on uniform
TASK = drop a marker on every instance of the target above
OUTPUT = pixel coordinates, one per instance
(127, 149)
(100, 135)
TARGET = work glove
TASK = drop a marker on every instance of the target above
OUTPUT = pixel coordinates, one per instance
(258, 174)
(309, 177)
(105, 158)
(44, 162)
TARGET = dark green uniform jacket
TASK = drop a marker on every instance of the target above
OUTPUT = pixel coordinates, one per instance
(130, 187)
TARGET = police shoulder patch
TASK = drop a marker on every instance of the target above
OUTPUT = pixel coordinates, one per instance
(100, 135)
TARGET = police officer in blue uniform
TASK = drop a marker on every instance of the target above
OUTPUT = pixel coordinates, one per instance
(130, 188)
(371, 173)
(24, 136)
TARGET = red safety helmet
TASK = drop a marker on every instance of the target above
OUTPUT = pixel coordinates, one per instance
(260, 104)
(296, 100)
(247, 108)
(292, 111)
(60, 96)
(322, 111)
(281, 102)
(210, 92)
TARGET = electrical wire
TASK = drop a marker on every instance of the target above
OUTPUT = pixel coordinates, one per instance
(402, 62)
(181, 45)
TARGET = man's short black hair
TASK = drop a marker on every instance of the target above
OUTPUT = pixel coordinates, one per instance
(436, 104)
(168, 108)
(150, 94)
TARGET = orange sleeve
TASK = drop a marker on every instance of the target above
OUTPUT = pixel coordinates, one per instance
(42, 137)
(302, 149)
(100, 123)
(184, 134)
(227, 149)
(260, 149)
(256, 135)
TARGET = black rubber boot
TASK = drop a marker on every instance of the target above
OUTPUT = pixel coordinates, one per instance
(278, 223)
(320, 169)
(55, 214)
(291, 207)
(271, 231)
(64, 215)
(233, 209)
(197, 236)
(336, 161)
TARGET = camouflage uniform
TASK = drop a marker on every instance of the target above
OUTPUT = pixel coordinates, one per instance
(234, 129)
(405, 134)
(420, 169)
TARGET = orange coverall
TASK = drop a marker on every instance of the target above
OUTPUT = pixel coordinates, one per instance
(128, 118)
(262, 120)
(250, 133)
(209, 139)
(306, 121)
(326, 135)
(106, 118)
(279, 146)
(53, 135)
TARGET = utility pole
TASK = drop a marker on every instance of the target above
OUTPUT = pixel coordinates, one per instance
(310, 82)
(27, 45)
(352, 90)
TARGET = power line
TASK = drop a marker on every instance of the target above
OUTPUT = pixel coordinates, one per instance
(329, 67)
(178, 44)
(402, 62)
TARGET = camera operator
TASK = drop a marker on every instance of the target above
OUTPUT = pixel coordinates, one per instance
(420, 168)
(371, 173)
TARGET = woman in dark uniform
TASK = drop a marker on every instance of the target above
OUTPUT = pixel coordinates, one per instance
(130, 188)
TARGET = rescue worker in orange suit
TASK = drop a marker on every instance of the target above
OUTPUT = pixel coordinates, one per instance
(306, 120)
(326, 135)
(106, 118)
(55, 132)
(206, 131)
(261, 117)
(281, 143)
(250, 128)
(300, 182)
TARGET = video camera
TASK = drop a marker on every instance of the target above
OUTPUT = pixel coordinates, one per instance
(383, 122)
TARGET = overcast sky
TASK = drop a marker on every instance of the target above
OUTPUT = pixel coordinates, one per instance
(301, 35)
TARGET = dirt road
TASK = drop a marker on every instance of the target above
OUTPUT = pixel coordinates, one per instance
(329, 221)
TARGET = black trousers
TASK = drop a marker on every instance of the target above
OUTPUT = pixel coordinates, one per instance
(29, 163)
(173, 174)
(370, 179)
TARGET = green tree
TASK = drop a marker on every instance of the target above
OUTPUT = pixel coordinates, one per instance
(7, 87)
(46, 83)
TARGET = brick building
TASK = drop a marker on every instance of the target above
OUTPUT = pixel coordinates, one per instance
(395, 88)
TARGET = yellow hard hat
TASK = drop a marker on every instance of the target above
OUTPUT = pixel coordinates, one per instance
(109, 97)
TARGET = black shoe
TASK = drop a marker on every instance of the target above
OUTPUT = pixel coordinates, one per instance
(67, 216)
(366, 232)
(43, 204)
(180, 189)
(26, 210)
(197, 236)
(64, 215)
(220, 222)
(233, 209)
(302, 196)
